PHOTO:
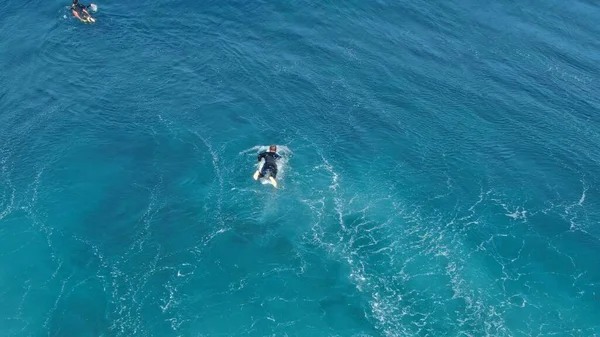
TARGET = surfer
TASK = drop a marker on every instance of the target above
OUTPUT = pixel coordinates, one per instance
(269, 168)
(81, 11)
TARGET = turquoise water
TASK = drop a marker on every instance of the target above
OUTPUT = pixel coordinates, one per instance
(440, 173)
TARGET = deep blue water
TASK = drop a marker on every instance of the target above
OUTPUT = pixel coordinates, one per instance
(440, 174)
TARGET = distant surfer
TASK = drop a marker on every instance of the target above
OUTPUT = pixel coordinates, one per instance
(81, 11)
(269, 168)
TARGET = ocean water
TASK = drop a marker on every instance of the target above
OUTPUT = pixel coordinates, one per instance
(440, 174)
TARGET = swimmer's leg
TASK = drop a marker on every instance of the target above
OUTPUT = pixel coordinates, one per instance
(75, 14)
(273, 175)
(259, 174)
(273, 181)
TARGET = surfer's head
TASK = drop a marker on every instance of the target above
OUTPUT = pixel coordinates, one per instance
(75, 2)
(273, 148)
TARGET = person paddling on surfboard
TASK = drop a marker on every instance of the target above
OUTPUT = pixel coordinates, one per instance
(81, 11)
(269, 168)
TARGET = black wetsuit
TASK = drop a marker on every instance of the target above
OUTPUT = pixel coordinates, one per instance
(76, 6)
(270, 166)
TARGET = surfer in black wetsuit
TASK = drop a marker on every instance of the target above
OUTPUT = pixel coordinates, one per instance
(269, 168)
(81, 11)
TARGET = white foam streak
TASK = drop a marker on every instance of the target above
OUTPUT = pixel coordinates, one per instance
(8, 206)
(411, 248)
(582, 198)
(219, 174)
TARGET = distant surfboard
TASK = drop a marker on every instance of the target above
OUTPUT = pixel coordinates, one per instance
(89, 19)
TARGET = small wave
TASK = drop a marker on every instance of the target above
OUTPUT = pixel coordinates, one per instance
(281, 149)
(582, 198)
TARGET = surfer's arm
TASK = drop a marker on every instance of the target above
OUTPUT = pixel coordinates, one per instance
(260, 156)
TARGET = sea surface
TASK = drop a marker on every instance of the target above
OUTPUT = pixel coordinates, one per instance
(440, 171)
